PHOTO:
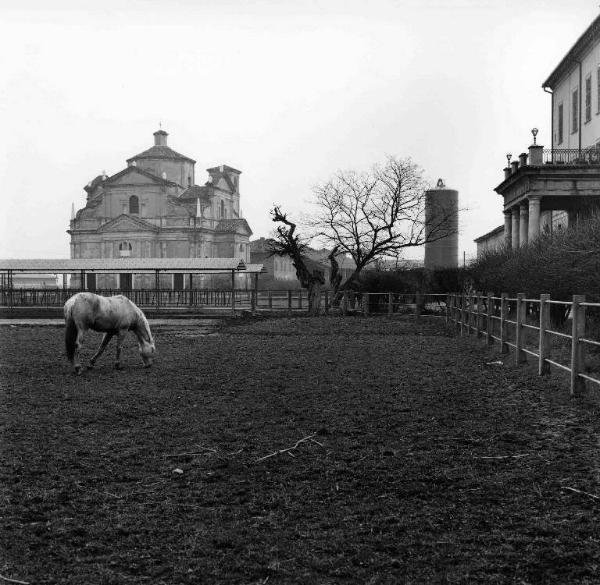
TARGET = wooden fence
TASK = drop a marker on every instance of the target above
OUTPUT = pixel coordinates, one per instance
(240, 299)
(508, 321)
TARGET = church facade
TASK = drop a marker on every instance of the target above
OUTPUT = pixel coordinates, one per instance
(153, 208)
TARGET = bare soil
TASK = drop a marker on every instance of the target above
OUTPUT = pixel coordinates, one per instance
(423, 460)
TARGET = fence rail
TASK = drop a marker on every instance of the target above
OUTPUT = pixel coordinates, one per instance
(248, 299)
(478, 313)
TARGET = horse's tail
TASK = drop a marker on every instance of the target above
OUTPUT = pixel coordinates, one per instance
(70, 330)
(70, 338)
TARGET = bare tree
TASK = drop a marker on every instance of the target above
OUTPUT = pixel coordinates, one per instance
(377, 214)
(288, 243)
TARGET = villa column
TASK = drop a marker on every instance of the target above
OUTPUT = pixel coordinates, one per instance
(534, 217)
(523, 223)
(515, 227)
(507, 228)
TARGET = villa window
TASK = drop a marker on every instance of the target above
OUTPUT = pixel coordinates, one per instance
(125, 249)
(560, 124)
(588, 98)
(575, 111)
(598, 87)
(134, 205)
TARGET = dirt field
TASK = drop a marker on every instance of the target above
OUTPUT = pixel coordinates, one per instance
(424, 463)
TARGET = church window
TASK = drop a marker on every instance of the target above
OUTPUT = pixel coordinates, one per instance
(222, 215)
(134, 205)
(125, 249)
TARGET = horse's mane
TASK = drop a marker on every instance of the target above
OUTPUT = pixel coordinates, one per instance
(142, 323)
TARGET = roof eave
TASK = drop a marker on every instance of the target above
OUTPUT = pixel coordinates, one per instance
(575, 53)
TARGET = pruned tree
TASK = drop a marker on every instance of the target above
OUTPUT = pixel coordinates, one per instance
(289, 243)
(377, 214)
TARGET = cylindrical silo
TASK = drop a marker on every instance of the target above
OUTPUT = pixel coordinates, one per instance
(441, 227)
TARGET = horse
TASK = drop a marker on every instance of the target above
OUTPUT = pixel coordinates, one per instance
(112, 315)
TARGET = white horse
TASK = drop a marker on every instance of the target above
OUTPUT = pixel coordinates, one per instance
(114, 316)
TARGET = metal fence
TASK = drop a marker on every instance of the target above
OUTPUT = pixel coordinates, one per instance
(513, 321)
(572, 156)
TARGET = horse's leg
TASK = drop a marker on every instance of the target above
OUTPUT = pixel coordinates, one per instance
(107, 337)
(120, 339)
(78, 346)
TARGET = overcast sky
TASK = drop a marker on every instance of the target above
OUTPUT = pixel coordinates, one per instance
(287, 92)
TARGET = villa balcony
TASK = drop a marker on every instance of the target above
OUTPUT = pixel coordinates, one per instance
(572, 156)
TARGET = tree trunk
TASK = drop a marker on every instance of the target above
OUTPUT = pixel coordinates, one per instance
(314, 298)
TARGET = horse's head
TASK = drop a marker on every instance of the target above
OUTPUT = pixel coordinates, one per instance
(145, 339)
(147, 351)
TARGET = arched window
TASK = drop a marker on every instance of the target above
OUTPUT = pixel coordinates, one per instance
(134, 205)
(124, 249)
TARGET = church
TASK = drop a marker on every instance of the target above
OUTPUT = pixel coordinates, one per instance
(153, 208)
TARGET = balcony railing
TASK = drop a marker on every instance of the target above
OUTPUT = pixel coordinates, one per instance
(572, 156)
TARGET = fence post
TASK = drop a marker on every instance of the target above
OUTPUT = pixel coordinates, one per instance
(271, 299)
(455, 311)
(577, 354)
(419, 303)
(157, 288)
(489, 328)
(463, 298)
(469, 311)
(365, 303)
(543, 367)
(300, 299)
(520, 355)
(478, 320)
(390, 303)
(503, 323)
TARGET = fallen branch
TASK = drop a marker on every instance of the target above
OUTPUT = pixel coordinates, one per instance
(190, 454)
(504, 456)
(289, 449)
(566, 487)
(13, 580)
(194, 453)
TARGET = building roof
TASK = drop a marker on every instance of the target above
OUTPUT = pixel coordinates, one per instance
(488, 235)
(232, 225)
(222, 169)
(161, 151)
(139, 171)
(195, 192)
(577, 51)
(116, 265)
